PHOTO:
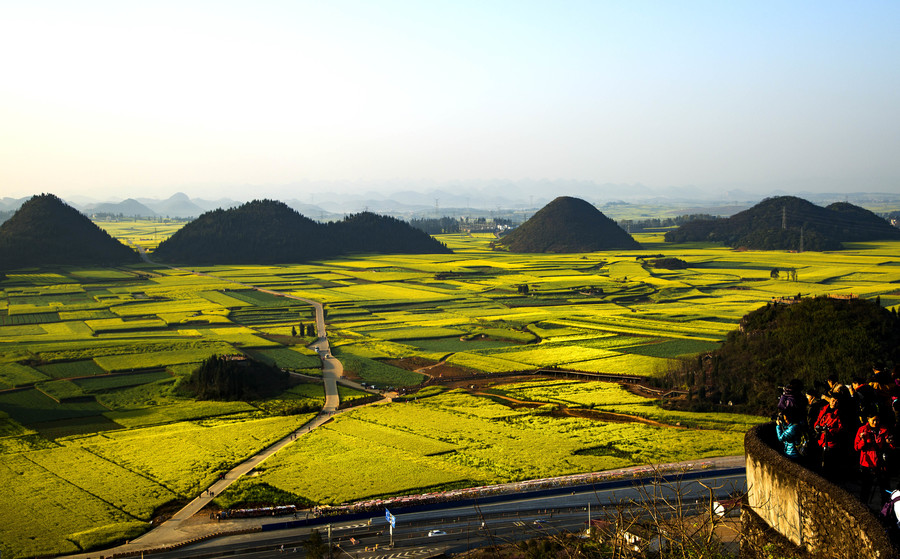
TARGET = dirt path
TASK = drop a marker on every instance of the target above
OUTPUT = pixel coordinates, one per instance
(582, 413)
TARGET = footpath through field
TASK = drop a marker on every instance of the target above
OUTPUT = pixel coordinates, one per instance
(176, 530)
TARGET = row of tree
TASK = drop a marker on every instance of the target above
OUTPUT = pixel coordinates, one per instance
(225, 377)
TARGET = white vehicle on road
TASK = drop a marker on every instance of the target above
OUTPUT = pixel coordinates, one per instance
(432, 533)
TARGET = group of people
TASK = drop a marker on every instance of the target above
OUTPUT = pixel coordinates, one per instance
(844, 427)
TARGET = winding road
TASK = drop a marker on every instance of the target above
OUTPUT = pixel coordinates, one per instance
(182, 527)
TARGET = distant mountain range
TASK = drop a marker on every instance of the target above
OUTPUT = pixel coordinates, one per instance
(267, 231)
(325, 201)
(568, 225)
(47, 231)
(789, 223)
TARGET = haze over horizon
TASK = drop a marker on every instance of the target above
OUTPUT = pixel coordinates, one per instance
(292, 98)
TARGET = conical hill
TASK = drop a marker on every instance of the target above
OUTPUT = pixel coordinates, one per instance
(568, 225)
(47, 231)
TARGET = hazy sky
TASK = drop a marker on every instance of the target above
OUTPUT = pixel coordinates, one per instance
(127, 98)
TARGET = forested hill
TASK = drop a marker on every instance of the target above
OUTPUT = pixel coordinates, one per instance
(786, 223)
(258, 232)
(267, 232)
(367, 232)
(808, 339)
(568, 225)
(47, 231)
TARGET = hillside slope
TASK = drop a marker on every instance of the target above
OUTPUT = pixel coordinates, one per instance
(568, 225)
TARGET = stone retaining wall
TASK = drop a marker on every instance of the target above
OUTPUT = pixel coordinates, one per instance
(793, 512)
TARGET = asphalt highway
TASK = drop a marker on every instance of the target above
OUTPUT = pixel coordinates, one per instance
(521, 516)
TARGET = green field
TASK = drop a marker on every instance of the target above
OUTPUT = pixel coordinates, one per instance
(63, 416)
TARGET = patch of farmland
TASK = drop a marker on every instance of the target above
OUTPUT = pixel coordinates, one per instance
(70, 328)
(86, 314)
(387, 274)
(40, 511)
(61, 390)
(247, 341)
(375, 349)
(387, 292)
(115, 363)
(548, 355)
(454, 344)
(105, 325)
(376, 372)
(636, 325)
(21, 330)
(192, 305)
(39, 278)
(261, 299)
(286, 358)
(15, 374)
(414, 333)
(672, 348)
(110, 482)
(298, 469)
(271, 315)
(612, 341)
(223, 299)
(100, 274)
(486, 363)
(625, 364)
(491, 444)
(14, 318)
(176, 412)
(111, 382)
(32, 406)
(186, 457)
(573, 393)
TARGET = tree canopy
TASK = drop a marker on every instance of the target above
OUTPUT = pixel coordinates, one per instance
(808, 339)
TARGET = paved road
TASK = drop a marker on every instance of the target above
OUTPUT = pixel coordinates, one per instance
(519, 516)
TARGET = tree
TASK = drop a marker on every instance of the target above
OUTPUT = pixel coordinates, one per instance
(294, 331)
(315, 547)
(311, 331)
(774, 273)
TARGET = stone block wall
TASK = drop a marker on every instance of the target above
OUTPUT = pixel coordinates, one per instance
(800, 514)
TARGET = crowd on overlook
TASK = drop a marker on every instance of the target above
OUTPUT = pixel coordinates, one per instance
(846, 432)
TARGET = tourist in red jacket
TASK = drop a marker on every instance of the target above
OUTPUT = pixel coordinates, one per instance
(872, 442)
(828, 429)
